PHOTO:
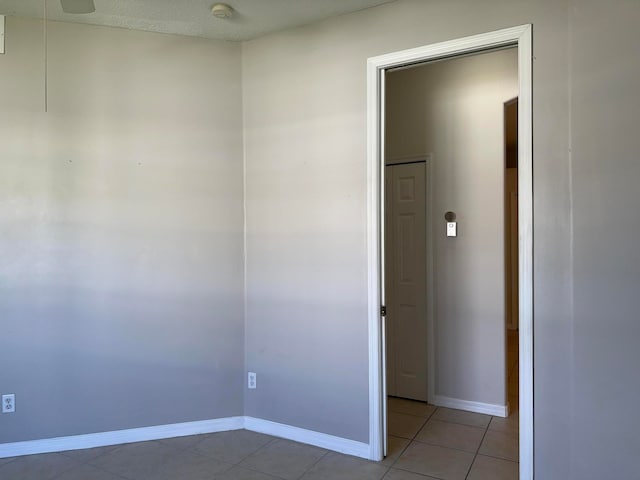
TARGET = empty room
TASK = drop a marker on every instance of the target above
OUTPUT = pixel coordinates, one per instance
(193, 274)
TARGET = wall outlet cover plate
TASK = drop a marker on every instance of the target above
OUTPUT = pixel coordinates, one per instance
(8, 403)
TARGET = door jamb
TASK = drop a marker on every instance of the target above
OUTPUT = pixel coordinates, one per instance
(520, 36)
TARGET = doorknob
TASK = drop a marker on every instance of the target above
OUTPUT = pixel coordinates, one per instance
(452, 226)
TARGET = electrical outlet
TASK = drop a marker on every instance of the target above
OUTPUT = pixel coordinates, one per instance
(252, 380)
(8, 403)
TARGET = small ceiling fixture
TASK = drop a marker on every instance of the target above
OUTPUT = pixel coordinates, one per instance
(222, 10)
(78, 6)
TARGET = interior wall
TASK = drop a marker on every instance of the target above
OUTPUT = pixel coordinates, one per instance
(304, 94)
(454, 110)
(99, 297)
(605, 113)
(121, 281)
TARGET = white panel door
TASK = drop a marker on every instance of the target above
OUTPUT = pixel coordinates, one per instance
(406, 272)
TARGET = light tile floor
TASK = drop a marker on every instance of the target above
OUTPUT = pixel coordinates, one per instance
(441, 443)
(425, 442)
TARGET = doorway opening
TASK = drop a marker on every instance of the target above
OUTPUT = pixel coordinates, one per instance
(511, 255)
(453, 108)
(427, 381)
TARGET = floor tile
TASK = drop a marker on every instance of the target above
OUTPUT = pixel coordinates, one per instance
(395, 474)
(435, 461)
(156, 461)
(334, 466)
(88, 454)
(241, 473)
(403, 425)
(41, 467)
(501, 445)
(488, 468)
(190, 467)
(87, 472)
(395, 446)
(452, 435)
(285, 459)
(134, 453)
(506, 425)
(410, 407)
(233, 446)
(460, 416)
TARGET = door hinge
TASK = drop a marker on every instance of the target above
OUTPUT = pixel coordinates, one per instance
(383, 311)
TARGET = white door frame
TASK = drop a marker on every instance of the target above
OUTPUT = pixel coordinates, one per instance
(521, 37)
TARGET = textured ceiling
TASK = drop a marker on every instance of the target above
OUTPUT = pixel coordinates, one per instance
(193, 17)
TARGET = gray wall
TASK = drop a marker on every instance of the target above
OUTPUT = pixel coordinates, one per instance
(453, 110)
(305, 137)
(605, 113)
(121, 280)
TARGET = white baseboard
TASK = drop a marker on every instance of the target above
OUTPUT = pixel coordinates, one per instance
(102, 439)
(310, 437)
(476, 407)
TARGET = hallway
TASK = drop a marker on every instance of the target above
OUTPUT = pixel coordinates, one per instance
(442, 443)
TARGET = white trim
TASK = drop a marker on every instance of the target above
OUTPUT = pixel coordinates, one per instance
(2, 18)
(525, 251)
(474, 43)
(431, 324)
(376, 385)
(102, 439)
(521, 37)
(310, 437)
(381, 259)
(477, 407)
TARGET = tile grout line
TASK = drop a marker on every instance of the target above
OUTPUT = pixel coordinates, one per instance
(110, 473)
(497, 458)
(411, 441)
(7, 463)
(87, 464)
(445, 446)
(66, 470)
(314, 464)
(258, 471)
(80, 463)
(262, 447)
(273, 439)
(425, 421)
(475, 456)
(420, 474)
(116, 448)
(411, 414)
(399, 455)
(326, 452)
